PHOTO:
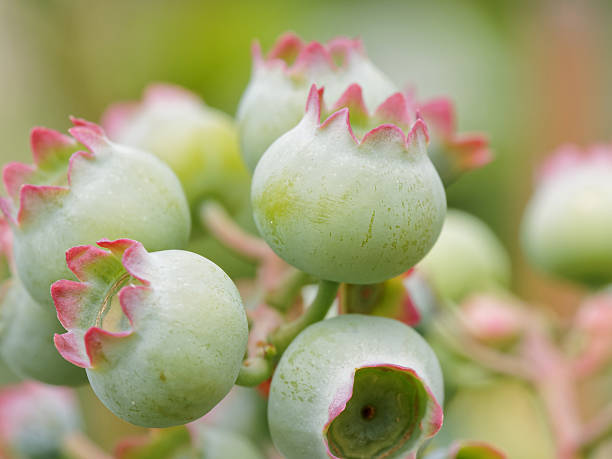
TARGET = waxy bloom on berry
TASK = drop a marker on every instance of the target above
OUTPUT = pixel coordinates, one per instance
(273, 102)
(26, 339)
(355, 386)
(567, 226)
(467, 258)
(72, 197)
(36, 419)
(199, 143)
(162, 335)
(345, 203)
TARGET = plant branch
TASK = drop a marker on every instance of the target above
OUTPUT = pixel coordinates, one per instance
(256, 370)
(224, 228)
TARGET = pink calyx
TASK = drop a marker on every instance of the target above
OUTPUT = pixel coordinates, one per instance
(294, 56)
(50, 149)
(433, 417)
(396, 106)
(471, 149)
(111, 268)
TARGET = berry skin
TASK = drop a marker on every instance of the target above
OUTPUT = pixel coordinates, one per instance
(273, 102)
(567, 224)
(71, 198)
(348, 210)
(26, 339)
(162, 335)
(467, 258)
(355, 386)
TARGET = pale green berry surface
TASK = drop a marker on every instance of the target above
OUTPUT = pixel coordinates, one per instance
(467, 258)
(320, 365)
(567, 225)
(26, 340)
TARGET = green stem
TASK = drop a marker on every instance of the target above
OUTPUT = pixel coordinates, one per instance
(283, 297)
(285, 334)
(256, 370)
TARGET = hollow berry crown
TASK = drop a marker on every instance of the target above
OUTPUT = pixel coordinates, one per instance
(349, 210)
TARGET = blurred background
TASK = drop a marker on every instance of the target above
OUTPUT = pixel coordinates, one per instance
(530, 74)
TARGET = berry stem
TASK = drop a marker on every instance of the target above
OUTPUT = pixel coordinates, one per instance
(214, 218)
(256, 370)
(284, 296)
(285, 334)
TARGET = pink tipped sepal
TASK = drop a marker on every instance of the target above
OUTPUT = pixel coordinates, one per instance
(80, 305)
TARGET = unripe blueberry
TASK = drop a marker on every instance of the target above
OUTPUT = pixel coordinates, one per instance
(69, 198)
(199, 143)
(568, 222)
(348, 210)
(26, 339)
(467, 258)
(273, 102)
(35, 419)
(355, 386)
(162, 335)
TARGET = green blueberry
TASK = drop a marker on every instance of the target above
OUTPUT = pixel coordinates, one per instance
(467, 258)
(568, 221)
(162, 335)
(355, 386)
(26, 339)
(273, 102)
(199, 143)
(111, 191)
(345, 210)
